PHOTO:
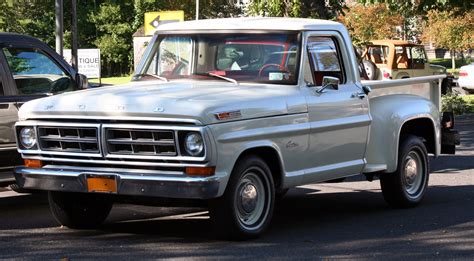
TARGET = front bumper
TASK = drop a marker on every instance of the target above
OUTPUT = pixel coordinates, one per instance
(132, 184)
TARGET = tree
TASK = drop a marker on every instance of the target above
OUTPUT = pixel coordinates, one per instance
(34, 18)
(447, 30)
(115, 36)
(366, 23)
(297, 8)
(421, 7)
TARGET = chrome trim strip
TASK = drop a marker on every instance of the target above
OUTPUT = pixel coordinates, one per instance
(115, 170)
(125, 163)
(115, 118)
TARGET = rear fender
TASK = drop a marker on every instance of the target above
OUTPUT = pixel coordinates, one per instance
(389, 114)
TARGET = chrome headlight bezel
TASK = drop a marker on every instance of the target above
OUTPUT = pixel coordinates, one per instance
(27, 137)
(194, 144)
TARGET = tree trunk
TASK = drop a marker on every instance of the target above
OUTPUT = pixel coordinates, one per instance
(453, 59)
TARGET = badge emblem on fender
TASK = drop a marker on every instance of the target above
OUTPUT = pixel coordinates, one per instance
(159, 109)
(82, 107)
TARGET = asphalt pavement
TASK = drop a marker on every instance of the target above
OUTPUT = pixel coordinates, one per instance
(348, 220)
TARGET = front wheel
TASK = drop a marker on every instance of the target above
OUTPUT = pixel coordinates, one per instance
(246, 208)
(407, 185)
(79, 210)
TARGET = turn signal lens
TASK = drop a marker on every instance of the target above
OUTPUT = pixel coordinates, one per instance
(200, 171)
(33, 163)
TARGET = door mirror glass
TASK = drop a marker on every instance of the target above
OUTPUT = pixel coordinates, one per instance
(331, 82)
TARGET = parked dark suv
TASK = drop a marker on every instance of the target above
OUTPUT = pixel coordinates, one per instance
(29, 69)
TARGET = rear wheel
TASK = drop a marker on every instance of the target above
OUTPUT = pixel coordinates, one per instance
(79, 210)
(407, 185)
(246, 208)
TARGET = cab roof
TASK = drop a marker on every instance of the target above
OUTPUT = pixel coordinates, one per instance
(253, 23)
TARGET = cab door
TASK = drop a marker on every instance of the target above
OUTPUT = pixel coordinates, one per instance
(339, 117)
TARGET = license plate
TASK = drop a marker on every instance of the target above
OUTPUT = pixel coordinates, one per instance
(101, 183)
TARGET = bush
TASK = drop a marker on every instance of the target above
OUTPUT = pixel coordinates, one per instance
(446, 62)
(455, 103)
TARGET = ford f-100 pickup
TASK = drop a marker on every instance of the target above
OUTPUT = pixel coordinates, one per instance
(232, 113)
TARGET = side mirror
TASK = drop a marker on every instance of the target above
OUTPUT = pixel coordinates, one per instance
(329, 82)
(82, 82)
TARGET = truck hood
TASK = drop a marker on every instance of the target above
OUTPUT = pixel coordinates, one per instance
(196, 102)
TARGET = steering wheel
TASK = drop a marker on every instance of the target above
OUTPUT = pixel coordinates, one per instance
(265, 66)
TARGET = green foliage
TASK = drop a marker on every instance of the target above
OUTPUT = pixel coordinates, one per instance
(422, 6)
(447, 62)
(453, 102)
(31, 17)
(297, 8)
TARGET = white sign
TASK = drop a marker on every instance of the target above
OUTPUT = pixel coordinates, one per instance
(88, 61)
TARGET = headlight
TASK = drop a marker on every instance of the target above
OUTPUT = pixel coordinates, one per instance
(28, 137)
(193, 144)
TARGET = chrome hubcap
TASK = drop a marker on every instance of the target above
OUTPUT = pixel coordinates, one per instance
(251, 199)
(413, 174)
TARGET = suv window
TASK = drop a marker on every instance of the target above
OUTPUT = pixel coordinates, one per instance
(378, 54)
(324, 59)
(35, 73)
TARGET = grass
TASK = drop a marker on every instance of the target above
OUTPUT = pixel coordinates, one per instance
(112, 80)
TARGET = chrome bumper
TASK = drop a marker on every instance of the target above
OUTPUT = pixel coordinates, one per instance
(154, 185)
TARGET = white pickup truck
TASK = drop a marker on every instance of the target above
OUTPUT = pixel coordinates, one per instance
(232, 113)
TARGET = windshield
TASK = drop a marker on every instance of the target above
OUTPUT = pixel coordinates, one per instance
(266, 58)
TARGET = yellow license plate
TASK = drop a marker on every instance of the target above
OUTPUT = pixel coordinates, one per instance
(102, 184)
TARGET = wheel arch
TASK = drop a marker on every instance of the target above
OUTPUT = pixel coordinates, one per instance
(272, 158)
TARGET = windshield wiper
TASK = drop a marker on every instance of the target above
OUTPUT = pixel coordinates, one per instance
(153, 75)
(222, 77)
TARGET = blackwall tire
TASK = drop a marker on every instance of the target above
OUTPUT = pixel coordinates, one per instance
(79, 210)
(246, 208)
(406, 187)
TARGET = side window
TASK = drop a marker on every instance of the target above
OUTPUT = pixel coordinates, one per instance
(324, 59)
(418, 57)
(36, 73)
(378, 54)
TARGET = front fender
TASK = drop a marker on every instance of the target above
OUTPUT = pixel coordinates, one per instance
(389, 113)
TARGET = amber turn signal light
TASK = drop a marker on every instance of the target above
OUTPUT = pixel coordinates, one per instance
(200, 171)
(33, 163)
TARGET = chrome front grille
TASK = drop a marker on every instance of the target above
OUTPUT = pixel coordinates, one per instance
(146, 142)
(69, 139)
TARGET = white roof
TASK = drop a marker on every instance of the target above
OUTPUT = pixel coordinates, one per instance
(252, 23)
